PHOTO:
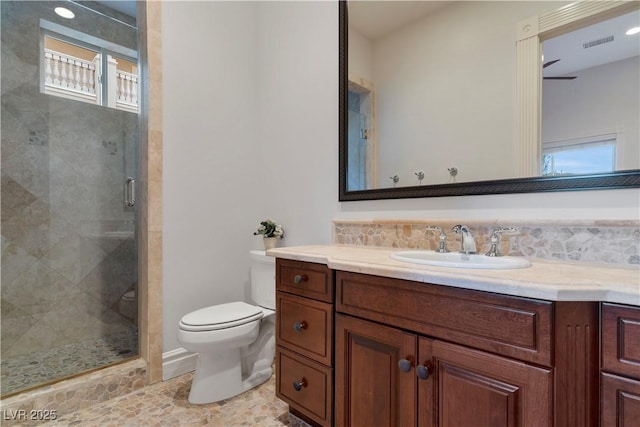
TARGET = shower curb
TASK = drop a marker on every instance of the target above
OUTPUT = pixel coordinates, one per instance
(32, 407)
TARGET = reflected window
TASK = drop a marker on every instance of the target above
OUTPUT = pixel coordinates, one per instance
(579, 156)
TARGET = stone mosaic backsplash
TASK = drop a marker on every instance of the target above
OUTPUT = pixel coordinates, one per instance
(613, 242)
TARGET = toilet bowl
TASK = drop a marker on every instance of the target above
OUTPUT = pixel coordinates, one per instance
(235, 341)
(128, 305)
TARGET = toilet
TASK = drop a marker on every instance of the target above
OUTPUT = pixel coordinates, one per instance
(235, 341)
(128, 305)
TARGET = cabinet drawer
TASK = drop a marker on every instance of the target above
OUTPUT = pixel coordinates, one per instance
(305, 385)
(621, 339)
(620, 403)
(511, 326)
(306, 279)
(305, 326)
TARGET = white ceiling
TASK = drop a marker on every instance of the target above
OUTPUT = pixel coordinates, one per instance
(374, 19)
(128, 7)
(573, 56)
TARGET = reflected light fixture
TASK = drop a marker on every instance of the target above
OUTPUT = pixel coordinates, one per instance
(64, 12)
(632, 31)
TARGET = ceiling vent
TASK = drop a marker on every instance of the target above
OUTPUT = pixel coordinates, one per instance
(597, 42)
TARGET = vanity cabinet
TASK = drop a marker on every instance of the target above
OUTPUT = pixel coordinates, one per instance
(410, 354)
(304, 339)
(620, 370)
(389, 377)
(407, 353)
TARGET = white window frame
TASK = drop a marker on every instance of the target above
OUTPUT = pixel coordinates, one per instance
(586, 141)
(106, 81)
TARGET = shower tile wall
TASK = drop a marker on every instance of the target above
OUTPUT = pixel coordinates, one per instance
(64, 163)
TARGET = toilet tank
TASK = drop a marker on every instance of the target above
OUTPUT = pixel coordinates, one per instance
(263, 279)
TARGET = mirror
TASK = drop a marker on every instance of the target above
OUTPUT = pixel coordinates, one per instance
(442, 122)
(591, 98)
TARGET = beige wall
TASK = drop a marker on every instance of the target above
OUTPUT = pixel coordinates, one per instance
(150, 210)
(288, 169)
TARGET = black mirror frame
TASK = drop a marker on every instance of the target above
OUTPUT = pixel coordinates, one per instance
(604, 181)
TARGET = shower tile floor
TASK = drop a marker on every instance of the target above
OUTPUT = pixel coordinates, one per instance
(166, 404)
(32, 369)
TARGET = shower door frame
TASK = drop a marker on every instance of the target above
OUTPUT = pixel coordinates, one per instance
(149, 224)
(150, 189)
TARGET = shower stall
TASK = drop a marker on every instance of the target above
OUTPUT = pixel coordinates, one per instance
(69, 161)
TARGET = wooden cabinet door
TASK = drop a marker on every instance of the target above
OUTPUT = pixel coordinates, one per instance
(370, 387)
(474, 388)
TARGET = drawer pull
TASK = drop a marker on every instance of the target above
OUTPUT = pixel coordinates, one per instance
(299, 326)
(299, 278)
(422, 371)
(299, 385)
(404, 365)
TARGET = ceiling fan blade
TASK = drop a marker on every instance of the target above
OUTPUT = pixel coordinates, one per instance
(561, 78)
(546, 64)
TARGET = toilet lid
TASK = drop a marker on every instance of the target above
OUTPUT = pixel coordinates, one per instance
(221, 316)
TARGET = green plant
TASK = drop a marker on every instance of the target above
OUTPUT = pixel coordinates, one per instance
(268, 228)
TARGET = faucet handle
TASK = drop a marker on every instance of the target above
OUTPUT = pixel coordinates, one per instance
(494, 250)
(459, 228)
(442, 237)
(500, 230)
(468, 243)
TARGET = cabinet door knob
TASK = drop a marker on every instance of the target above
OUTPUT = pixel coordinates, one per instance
(404, 365)
(299, 385)
(422, 371)
(299, 326)
(299, 278)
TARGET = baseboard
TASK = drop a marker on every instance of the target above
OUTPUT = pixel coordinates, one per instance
(177, 362)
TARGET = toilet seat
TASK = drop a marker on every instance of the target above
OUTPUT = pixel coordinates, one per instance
(129, 296)
(221, 316)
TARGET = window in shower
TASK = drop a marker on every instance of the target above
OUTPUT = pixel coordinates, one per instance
(87, 69)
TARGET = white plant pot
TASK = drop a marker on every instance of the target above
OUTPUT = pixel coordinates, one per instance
(269, 242)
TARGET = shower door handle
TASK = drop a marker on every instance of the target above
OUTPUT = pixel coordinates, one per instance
(130, 192)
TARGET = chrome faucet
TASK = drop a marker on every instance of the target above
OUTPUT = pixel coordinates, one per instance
(494, 250)
(442, 237)
(468, 242)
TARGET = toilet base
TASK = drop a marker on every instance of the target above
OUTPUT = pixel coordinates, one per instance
(218, 376)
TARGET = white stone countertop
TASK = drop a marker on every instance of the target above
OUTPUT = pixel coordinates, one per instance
(545, 279)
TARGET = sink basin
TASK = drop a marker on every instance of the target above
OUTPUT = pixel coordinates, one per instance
(458, 260)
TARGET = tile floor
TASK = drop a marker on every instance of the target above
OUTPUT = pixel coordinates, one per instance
(166, 404)
(29, 370)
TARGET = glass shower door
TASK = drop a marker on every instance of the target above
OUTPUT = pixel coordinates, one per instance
(69, 253)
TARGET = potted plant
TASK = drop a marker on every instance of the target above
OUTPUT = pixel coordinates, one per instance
(270, 231)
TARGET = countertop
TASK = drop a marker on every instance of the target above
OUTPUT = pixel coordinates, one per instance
(545, 279)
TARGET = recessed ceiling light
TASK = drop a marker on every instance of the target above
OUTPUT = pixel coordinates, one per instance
(632, 31)
(64, 12)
